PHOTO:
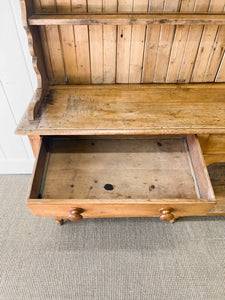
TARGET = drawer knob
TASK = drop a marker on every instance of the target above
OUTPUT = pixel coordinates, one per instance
(166, 215)
(75, 214)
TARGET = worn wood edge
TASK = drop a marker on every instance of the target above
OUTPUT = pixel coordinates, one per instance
(113, 132)
(36, 102)
(214, 158)
(200, 169)
(34, 141)
(37, 59)
(128, 18)
(145, 131)
(177, 201)
(35, 168)
(197, 85)
(103, 210)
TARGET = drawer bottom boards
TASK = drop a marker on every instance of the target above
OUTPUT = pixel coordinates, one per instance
(128, 177)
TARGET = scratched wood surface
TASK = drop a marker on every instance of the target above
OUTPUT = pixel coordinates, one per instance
(130, 109)
(133, 53)
(120, 169)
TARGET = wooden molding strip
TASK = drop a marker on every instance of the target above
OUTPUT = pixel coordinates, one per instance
(127, 19)
(35, 47)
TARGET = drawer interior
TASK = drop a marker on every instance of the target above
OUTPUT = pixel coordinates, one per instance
(121, 168)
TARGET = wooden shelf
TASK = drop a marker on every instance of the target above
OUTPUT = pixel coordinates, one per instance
(128, 19)
(130, 109)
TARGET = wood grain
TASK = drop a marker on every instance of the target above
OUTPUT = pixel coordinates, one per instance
(34, 141)
(124, 34)
(217, 175)
(96, 45)
(102, 209)
(138, 36)
(124, 19)
(110, 45)
(215, 144)
(214, 158)
(122, 49)
(201, 173)
(78, 172)
(36, 51)
(136, 169)
(130, 109)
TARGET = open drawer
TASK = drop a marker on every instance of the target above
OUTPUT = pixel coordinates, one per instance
(77, 177)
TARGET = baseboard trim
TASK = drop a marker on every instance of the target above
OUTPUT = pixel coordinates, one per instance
(16, 166)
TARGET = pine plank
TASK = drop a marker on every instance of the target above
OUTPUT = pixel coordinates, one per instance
(63, 6)
(193, 40)
(48, 6)
(68, 44)
(151, 47)
(52, 36)
(165, 44)
(44, 42)
(217, 5)
(190, 53)
(220, 77)
(215, 56)
(96, 44)
(46, 53)
(129, 18)
(215, 144)
(202, 5)
(96, 53)
(137, 44)
(218, 48)
(96, 162)
(123, 45)
(188, 5)
(163, 54)
(177, 53)
(79, 5)
(214, 158)
(109, 44)
(172, 5)
(152, 43)
(131, 109)
(204, 51)
(82, 44)
(37, 6)
(55, 53)
(157, 5)
(179, 45)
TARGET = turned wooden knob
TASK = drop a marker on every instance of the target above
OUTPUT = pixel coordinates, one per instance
(166, 214)
(75, 214)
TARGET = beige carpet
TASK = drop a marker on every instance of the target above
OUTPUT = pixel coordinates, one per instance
(108, 259)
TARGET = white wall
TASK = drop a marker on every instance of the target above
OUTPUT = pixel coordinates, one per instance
(17, 85)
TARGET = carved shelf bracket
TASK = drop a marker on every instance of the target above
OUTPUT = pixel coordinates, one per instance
(35, 48)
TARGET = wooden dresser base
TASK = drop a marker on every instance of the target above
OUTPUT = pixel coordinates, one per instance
(58, 190)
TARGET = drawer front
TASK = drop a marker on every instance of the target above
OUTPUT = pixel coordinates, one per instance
(213, 143)
(214, 158)
(120, 178)
(112, 210)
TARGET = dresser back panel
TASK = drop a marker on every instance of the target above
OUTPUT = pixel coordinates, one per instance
(95, 54)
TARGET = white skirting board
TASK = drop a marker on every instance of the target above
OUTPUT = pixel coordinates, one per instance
(16, 166)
